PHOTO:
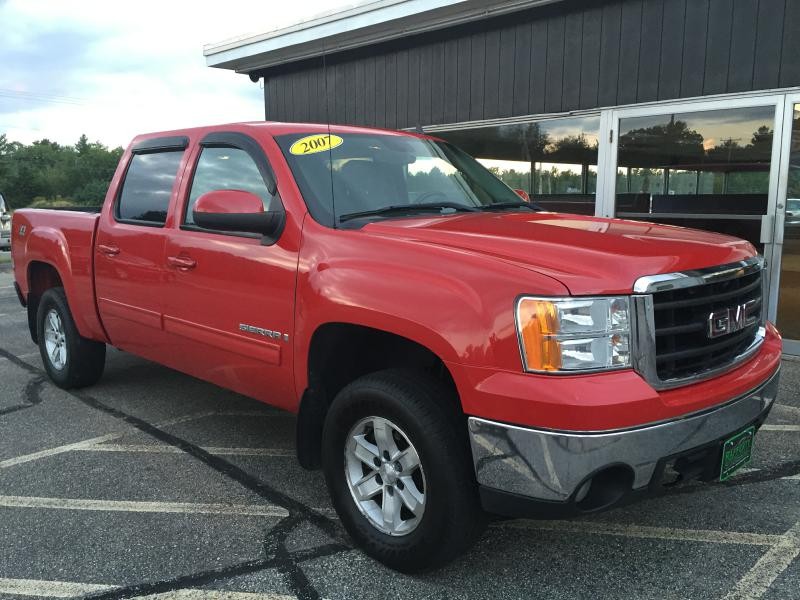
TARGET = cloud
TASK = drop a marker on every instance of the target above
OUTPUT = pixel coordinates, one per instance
(111, 70)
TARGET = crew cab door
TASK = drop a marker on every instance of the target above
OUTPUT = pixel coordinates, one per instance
(129, 247)
(229, 297)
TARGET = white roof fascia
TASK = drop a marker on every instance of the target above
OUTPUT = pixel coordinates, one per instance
(364, 23)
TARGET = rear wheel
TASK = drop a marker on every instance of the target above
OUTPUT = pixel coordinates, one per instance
(399, 470)
(70, 360)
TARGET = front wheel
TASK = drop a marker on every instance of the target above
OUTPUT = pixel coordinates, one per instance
(70, 360)
(399, 470)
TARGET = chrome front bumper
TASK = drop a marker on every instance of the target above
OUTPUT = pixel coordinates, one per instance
(552, 465)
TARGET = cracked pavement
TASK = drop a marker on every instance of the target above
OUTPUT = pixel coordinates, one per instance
(152, 484)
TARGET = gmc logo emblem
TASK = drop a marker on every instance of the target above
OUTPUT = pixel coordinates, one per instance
(730, 320)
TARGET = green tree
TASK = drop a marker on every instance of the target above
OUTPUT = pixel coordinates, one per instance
(49, 172)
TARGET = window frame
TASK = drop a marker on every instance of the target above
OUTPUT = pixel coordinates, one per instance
(157, 145)
(248, 145)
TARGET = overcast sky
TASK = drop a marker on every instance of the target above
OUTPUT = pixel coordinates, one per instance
(112, 70)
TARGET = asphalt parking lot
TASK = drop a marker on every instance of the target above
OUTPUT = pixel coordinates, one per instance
(153, 484)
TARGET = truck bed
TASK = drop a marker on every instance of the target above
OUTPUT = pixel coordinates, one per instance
(65, 239)
(77, 208)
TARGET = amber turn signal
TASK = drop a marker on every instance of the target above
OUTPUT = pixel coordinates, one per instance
(538, 324)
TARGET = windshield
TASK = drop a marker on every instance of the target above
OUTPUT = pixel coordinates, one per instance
(346, 175)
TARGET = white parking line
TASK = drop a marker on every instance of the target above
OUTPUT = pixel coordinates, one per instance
(641, 531)
(767, 568)
(69, 589)
(51, 589)
(789, 408)
(252, 510)
(10, 462)
(82, 445)
(255, 413)
(214, 595)
(780, 428)
(163, 449)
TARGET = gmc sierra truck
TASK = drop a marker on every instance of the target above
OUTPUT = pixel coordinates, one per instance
(450, 350)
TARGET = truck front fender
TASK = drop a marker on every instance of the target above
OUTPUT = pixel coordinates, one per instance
(463, 314)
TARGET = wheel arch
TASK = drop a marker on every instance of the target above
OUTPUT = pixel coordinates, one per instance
(41, 276)
(341, 352)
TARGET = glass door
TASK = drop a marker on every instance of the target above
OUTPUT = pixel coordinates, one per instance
(787, 233)
(706, 166)
(711, 164)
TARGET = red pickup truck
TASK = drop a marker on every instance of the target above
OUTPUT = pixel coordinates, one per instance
(448, 347)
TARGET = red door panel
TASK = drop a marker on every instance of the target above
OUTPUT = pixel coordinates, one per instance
(128, 285)
(229, 319)
(129, 249)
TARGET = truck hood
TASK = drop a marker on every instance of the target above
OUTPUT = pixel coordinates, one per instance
(589, 255)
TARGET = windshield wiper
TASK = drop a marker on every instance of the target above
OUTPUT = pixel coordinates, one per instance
(399, 209)
(501, 205)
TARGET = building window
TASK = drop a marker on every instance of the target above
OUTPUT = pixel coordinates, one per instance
(554, 160)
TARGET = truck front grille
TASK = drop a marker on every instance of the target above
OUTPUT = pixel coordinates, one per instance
(684, 348)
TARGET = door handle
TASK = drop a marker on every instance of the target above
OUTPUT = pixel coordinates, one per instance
(767, 229)
(183, 263)
(107, 250)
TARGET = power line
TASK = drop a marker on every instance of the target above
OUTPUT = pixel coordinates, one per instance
(42, 94)
(41, 97)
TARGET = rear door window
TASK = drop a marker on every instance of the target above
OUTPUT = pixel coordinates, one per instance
(147, 188)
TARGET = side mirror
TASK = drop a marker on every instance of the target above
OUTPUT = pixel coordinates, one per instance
(239, 211)
(523, 194)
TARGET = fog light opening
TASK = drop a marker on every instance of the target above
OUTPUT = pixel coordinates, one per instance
(583, 490)
(604, 488)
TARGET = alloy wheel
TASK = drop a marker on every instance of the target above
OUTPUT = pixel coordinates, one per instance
(55, 340)
(385, 476)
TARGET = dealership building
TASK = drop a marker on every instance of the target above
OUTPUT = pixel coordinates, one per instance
(684, 112)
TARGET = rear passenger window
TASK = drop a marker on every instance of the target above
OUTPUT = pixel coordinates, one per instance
(226, 169)
(148, 186)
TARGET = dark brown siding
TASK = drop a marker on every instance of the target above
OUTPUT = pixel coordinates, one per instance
(565, 56)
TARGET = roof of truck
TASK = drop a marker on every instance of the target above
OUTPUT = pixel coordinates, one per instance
(275, 128)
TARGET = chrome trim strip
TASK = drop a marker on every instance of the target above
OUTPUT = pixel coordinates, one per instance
(683, 279)
(643, 338)
(551, 465)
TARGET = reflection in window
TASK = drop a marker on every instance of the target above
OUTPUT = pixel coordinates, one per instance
(555, 160)
(686, 168)
(147, 188)
(226, 169)
(515, 174)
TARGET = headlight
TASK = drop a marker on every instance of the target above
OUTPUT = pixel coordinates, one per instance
(574, 334)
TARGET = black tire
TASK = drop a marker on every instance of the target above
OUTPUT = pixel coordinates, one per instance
(85, 359)
(452, 519)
